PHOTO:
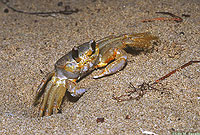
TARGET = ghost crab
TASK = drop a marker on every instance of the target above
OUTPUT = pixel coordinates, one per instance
(107, 52)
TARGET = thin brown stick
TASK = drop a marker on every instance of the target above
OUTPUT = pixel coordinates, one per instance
(162, 19)
(174, 18)
(175, 70)
(66, 11)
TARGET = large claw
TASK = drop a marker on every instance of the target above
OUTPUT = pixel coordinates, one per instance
(119, 61)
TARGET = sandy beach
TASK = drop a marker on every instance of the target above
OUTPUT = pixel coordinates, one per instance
(33, 40)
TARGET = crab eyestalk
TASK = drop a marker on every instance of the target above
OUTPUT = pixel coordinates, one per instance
(93, 45)
(75, 54)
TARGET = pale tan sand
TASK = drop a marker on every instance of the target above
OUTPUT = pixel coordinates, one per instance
(30, 43)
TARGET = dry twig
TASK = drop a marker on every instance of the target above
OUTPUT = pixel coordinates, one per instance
(66, 11)
(174, 18)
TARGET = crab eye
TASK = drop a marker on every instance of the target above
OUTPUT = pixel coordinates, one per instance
(93, 46)
(75, 54)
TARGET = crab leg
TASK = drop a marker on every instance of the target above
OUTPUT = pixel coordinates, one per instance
(50, 102)
(59, 97)
(41, 87)
(119, 62)
(46, 95)
(139, 41)
(54, 93)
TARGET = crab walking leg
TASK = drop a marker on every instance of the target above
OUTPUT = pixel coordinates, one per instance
(45, 80)
(119, 62)
(139, 41)
(51, 99)
(71, 87)
(46, 95)
(60, 94)
(41, 87)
